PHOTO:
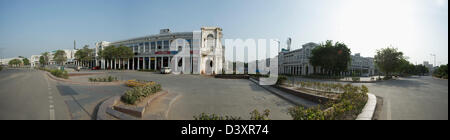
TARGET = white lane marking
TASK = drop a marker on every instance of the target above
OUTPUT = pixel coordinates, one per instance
(51, 106)
(50, 97)
(170, 106)
(52, 114)
(388, 112)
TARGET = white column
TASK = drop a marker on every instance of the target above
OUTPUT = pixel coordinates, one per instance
(162, 61)
(149, 60)
(138, 62)
(154, 64)
(132, 64)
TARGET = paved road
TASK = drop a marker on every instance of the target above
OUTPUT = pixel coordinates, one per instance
(201, 94)
(415, 98)
(27, 94)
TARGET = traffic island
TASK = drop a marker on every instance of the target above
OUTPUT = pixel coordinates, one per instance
(334, 101)
(133, 104)
(115, 109)
(71, 81)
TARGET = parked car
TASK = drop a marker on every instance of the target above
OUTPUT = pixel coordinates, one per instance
(166, 70)
(96, 68)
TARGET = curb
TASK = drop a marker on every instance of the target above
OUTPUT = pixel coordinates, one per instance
(369, 109)
(286, 96)
(101, 112)
(108, 110)
(87, 83)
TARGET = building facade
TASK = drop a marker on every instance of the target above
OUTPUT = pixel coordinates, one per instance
(296, 62)
(34, 60)
(198, 52)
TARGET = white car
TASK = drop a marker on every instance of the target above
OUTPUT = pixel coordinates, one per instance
(166, 70)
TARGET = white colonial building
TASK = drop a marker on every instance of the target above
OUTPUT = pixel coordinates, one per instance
(198, 52)
(296, 62)
(34, 60)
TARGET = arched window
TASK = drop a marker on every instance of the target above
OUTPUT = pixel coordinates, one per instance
(211, 41)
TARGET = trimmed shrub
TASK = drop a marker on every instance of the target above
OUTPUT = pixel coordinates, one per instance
(103, 79)
(204, 116)
(281, 79)
(356, 79)
(60, 73)
(347, 107)
(255, 115)
(136, 83)
(137, 93)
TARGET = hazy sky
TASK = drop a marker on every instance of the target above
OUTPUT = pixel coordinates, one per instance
(416, 27)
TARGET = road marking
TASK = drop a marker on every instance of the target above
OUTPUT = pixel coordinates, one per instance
(170, 106)
(388, 112)
(52, 114)
(50, 97)
(51, 106)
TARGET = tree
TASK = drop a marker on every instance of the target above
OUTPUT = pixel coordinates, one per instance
(388, 60)
(85, 54)
(60, 57)
(441, 72)
(114, 53)
(15, 62)
(46, 56)
(42, 60)
(26, 61)
(422, 69)
(124, 52)
(332, 58)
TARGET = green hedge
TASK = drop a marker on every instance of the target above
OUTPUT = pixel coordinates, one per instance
(347, 107)
(137, 93)
(254, 115)
(1, 68)
(103, 79)
(60, 73)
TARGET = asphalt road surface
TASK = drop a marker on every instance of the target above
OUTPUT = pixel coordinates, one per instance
(29, 94)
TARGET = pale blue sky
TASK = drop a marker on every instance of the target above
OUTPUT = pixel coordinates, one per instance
(416, 27)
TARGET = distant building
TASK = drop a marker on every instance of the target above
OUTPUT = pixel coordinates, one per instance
(296, 62)
(429, 66)
(5, 61)
(154, 52)
(34, 60)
